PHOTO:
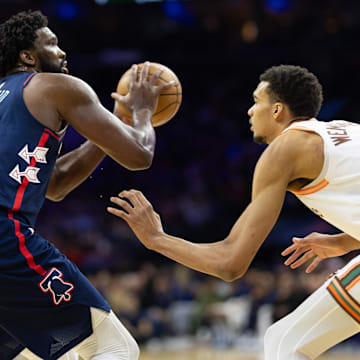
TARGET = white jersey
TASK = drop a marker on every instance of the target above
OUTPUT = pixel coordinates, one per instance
(335, 194)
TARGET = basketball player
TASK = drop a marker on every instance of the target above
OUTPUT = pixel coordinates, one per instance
(47, 307)
(317, 161)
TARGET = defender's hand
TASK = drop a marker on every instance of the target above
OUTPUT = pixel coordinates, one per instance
(315, 246)
(143, 91)
(139, 215)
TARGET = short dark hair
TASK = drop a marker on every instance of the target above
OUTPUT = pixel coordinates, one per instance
(16, 34)
(295, 86)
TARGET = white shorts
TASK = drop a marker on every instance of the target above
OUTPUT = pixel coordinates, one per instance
(327, 317)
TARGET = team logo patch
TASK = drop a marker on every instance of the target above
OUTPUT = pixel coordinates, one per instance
(59, 289)
(30, 173)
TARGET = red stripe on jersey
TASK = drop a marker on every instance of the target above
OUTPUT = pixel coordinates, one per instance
(27, 254)
(17, 204)
(20, 193)
(29, 78)
(52, 134)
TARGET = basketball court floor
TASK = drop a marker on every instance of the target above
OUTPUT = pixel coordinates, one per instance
(210, 354)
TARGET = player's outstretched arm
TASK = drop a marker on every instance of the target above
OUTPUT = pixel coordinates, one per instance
(317, 247)
(230, 258)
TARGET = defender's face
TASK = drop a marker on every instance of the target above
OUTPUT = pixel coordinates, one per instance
(260, 113)
(50, 58)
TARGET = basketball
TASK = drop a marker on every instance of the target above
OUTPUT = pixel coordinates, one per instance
(169, 99)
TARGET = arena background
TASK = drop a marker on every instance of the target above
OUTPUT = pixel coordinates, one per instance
(200, 180)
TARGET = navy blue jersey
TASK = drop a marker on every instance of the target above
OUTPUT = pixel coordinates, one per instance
(44, 298)
(28, 149)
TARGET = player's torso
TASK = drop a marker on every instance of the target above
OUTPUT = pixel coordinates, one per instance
(335, 194)
(28, 151)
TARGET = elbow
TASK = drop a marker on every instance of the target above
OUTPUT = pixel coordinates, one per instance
(55, 197)
(142, 161)
(230, 276)
(231, 272)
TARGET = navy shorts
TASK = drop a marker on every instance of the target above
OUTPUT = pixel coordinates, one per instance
(46, 310)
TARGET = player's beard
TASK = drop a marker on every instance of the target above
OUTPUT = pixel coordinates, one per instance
(48, 66)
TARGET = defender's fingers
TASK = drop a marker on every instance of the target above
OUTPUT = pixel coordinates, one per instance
(144, 73)
(123, 203)
(119, 213)
(130, 195)
(314, 264)
(143, 200)
(294, 247)
(295, 256)
(289, 250)
(307, 256)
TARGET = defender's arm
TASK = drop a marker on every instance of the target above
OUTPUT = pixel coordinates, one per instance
(227, 259)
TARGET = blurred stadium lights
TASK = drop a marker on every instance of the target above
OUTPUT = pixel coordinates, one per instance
(104, 2)
(178, 11)
(278, 6)
(67, 10)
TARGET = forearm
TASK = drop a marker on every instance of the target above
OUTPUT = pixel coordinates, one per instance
(210, 258)
(72, 169)
(145, 131)
(347, 242)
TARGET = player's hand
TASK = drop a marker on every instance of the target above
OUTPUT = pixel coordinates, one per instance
(143, 91)
(315, 247)
(139, 215)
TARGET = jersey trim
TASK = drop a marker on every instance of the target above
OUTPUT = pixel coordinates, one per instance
(351, 277)
(29, 78)
(52, 134)
(344, 299)
(16, 207)
(311, 189)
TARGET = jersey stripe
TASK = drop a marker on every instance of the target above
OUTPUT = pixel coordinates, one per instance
(52, 134)
(344, 299)
(29, 78)
(17, 204)
(311, 189)
(27, 254)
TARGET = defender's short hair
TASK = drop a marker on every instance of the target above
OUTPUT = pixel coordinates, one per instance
(16, 34)
(297, 87)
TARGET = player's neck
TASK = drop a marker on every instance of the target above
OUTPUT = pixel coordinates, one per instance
(20, 68)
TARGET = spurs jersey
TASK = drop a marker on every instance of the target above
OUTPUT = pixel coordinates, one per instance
(335, 194)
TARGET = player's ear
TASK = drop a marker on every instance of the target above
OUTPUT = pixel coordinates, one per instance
(27, 58)
(277, 108)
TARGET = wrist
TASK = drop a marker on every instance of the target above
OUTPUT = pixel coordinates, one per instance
(142, 114)
(349, 243)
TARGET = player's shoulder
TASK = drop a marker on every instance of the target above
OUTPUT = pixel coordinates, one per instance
(58, 86)
(58, 80)
(289, 146)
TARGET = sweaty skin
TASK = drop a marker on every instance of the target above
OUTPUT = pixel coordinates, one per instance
(292, 160)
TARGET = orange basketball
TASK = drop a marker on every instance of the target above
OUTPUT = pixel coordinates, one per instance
(169, 99)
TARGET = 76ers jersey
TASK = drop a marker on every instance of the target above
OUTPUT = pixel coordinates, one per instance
(335, 194)
(28, 151)
(44, 298)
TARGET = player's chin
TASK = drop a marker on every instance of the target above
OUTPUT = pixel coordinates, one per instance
(259, 139)
(64, 70)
